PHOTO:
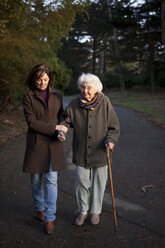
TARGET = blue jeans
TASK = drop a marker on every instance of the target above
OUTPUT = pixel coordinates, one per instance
(45, 200)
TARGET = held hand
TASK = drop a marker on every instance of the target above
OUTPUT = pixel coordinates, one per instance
(61, 136)
(111, 146)
(68, 119)
(62, 128)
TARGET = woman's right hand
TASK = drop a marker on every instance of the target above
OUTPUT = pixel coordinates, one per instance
(62, 128)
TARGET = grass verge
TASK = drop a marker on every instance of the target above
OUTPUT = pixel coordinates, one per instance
(152, 105)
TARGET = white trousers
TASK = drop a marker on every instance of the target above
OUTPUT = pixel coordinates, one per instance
(90, 187)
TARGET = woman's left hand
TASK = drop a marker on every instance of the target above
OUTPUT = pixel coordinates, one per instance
(111, 145)
(61, 136)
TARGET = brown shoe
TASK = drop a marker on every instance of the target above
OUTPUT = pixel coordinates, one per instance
(49, 227)
(80, 219)
(40, 215)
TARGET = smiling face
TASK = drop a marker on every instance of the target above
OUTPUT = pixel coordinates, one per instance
(87, 91)
(42, 82)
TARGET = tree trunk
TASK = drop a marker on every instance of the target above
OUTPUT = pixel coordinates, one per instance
(105, 55)
(119, 67)
(151, 54)
(163, 21)
(94, 56)
(151, 63)
(117, 52)
(101, 63)
(152, 79)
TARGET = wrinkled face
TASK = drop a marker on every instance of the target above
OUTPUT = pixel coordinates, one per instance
(87, 91)
(42, 83)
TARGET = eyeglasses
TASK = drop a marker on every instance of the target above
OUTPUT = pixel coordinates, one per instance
(88, 88)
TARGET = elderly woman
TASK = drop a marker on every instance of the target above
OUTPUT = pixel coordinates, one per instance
(44, 152)
(95, 125)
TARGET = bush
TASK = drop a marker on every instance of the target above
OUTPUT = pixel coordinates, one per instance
(110, 79)
(61, 74)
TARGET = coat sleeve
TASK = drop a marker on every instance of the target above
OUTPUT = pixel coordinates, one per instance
(61, 110)
(67, 117)
(113, 131)
(39, 126)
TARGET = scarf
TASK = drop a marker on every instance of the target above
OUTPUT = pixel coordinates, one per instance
(44, 95)
(96, 100)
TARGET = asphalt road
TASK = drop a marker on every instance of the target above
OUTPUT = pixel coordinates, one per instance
(139, 187)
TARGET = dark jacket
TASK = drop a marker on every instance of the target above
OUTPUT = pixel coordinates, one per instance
(41, 135)
(92, 129)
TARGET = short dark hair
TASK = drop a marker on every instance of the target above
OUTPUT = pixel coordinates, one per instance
(36, 73)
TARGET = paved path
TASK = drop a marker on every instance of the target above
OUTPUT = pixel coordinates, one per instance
(138, 175)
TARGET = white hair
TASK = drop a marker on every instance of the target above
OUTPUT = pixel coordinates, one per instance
(92, 79)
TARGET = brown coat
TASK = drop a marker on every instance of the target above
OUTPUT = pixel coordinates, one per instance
(41, 136)
(92, 129)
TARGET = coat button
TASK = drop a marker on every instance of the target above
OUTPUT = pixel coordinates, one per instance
(89, 137)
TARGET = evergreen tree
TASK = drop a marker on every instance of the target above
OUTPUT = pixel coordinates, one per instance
(149, 39)
(124, 36)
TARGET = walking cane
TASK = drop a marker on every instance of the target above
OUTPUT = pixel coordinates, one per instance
(111, 186)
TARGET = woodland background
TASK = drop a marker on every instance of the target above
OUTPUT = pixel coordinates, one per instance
(121, 41)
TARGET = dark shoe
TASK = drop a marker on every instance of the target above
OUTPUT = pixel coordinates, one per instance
(95, 219)
(40, 215)
(80, 219)
(49, 227)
